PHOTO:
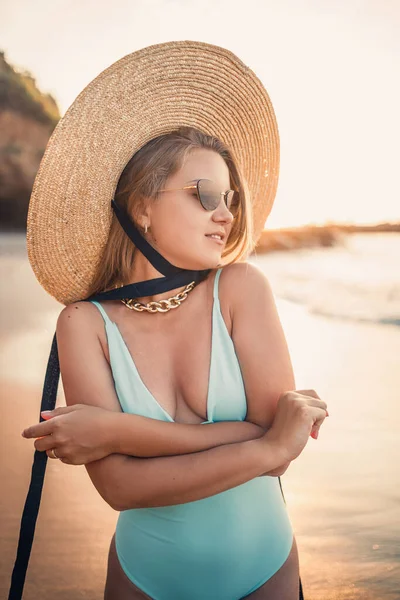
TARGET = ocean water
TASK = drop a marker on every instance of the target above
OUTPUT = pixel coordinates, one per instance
(358, 279)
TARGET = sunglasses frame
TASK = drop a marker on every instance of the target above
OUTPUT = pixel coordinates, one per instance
(196, 187)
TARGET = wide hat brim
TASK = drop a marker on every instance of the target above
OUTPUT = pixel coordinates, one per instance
(145, 94)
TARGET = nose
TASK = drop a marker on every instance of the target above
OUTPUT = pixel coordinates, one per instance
(222, 213)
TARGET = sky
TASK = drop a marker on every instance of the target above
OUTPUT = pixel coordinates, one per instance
(331, 69)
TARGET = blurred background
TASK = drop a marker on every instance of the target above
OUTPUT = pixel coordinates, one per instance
(330, 248)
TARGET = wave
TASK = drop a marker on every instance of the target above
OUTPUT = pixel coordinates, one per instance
(358, 280)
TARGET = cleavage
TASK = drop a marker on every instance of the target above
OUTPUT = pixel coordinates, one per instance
(176, 375)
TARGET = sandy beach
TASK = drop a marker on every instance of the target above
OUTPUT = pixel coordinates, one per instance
(342, 493)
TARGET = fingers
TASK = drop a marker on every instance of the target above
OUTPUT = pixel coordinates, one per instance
(314, 432)
(44, 443)
(47, 427)
(58, 456)
(46, 432)
(319, 409)
(40, 429)
(316, 427)
(313, 394)
(61, 410)
(318, 404)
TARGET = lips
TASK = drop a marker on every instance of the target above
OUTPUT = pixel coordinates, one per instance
(217, 240)
(221, 234)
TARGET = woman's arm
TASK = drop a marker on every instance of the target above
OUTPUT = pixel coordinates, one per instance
(127, 482)
(259, 340)
(148, 438)
(81, 434)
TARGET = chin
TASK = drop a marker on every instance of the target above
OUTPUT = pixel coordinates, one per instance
(212, 262)
(210, 259)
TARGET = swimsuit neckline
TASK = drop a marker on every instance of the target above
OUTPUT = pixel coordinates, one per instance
(131, 360)
(133, 364)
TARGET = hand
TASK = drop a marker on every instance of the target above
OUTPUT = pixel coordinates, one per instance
(79, 433)
(299, 414)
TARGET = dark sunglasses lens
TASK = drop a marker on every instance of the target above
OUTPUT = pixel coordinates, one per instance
(209, 194)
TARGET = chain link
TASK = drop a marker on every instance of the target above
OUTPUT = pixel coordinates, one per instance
(161, 305)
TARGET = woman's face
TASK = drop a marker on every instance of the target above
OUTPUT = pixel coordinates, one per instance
(179, 227)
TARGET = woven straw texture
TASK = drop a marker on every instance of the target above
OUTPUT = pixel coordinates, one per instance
(145, 94)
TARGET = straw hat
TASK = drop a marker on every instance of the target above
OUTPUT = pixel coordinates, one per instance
(145, 94)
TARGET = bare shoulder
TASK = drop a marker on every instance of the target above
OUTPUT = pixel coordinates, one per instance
(79, 316)
(77, 310)
(81, 322)
(241, 281)
(241, 272)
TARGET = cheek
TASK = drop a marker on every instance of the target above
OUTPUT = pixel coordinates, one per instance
(183, 235)
(180, 224)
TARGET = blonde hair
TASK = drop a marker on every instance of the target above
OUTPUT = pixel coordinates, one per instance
(143, 176)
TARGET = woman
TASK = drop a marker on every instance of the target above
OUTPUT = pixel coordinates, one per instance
(201, 511)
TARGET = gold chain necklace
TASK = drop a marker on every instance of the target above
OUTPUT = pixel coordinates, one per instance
(161, 305)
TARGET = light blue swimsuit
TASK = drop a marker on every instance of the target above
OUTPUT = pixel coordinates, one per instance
(219, 548)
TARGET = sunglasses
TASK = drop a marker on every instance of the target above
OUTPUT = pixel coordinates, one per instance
(209, 196)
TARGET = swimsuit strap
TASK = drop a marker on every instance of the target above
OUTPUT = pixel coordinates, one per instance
(103, 312)
(216, 280)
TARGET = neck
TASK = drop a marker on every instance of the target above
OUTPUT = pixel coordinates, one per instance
(143, 270)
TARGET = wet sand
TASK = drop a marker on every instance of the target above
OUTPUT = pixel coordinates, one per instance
(342, 493)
